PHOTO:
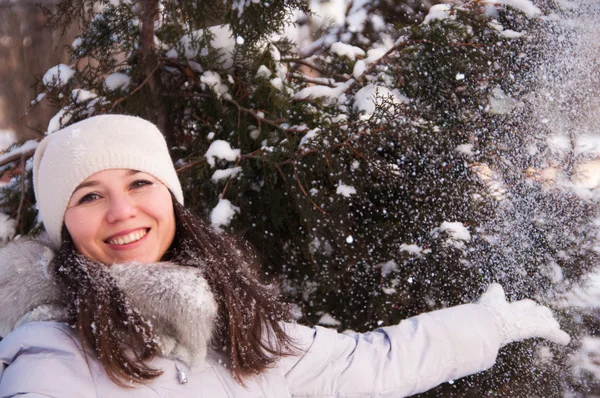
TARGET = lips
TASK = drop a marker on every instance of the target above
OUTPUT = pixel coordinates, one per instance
(128, 238)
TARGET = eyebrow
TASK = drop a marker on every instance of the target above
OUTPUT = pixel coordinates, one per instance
(94, 182)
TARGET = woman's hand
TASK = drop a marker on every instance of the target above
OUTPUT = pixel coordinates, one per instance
(521, 319)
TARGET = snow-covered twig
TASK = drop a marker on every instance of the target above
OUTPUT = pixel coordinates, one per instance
(138, 88)
(260, 119)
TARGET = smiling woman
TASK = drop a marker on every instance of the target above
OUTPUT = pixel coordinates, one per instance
(121, 215)
(134, 296)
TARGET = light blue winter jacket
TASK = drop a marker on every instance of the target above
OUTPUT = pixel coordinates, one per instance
(43, 358)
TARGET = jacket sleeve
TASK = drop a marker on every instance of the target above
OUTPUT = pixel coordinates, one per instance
(41, 359)
(398, 361)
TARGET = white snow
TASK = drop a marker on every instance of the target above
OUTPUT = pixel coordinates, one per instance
(61, 118)
(80, 95)
(58, 75)
(345, 190)
(356, 20)
(511, 34)
(411, 248)
(330, 94)
(439, 12)
(327, 320)
(308, 136)
(332, 11)
(588, 145)
(277, 83)
(370, 96)
(222, 214)
(76, 43)
(263, 72)
(220, 149)
(359, 69)
(500, 103)
(526, 6)
(559, 144)
(213, 80)
(465, 149)
(219, 175)
(7, 227)
(117, 81)
(222, 41)
(26, 147)
(387, 267)
(346, 50)
(584, 296)
(456, 230)
(587, 358)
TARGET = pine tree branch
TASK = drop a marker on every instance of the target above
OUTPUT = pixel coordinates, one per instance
(322, 71)
(17, 156)
(228, 181)
(259, 118)
(297, 178)
(187, 166)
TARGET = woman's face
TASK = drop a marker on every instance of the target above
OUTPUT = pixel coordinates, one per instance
(121, 215)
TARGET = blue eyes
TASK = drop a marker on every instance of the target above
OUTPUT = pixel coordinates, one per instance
(93, 196)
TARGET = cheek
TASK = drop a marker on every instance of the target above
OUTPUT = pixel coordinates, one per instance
(165, 215)
(81, 228)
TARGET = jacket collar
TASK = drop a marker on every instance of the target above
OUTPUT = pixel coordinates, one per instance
(176, 300)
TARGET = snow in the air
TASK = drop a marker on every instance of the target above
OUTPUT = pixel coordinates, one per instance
(220, 149)
(58, 75)
(222, 214)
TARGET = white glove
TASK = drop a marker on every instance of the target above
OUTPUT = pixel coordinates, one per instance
(521, 319)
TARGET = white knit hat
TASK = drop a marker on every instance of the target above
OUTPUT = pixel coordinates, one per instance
(67, 157)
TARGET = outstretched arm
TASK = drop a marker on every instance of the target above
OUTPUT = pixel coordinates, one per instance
(417, 354)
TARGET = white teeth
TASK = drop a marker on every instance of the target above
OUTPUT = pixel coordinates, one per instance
(132, 237)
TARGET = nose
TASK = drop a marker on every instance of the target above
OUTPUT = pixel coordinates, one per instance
(121, 207)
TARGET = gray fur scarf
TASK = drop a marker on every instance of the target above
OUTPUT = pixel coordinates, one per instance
(176, 300)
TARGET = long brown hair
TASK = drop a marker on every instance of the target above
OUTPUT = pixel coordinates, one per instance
(250, 314)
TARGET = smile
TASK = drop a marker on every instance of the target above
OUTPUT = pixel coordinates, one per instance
(129, 238)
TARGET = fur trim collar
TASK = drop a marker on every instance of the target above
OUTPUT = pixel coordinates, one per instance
(176, 300)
